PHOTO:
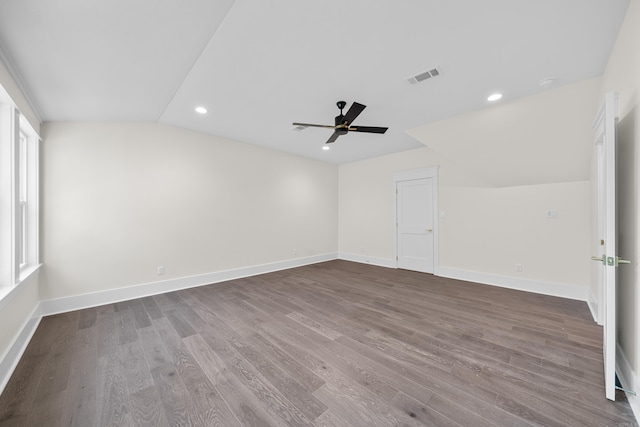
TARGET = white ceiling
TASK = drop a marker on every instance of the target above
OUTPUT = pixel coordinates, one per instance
(259, 65)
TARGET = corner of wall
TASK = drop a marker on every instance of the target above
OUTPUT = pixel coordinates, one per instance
(629, 380)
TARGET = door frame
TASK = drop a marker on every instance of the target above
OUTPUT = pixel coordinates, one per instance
(600, 227)
(410, 175)
(605, 140)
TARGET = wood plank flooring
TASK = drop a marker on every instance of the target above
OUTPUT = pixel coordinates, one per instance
(332, 344)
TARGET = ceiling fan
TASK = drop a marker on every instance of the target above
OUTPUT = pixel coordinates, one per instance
(343, 122)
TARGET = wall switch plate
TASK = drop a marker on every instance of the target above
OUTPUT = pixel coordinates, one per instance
(552, 214)
(160, 270)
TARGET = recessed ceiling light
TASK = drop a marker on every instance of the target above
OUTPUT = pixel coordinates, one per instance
(201, 110)
(326, 148)
(494, 97)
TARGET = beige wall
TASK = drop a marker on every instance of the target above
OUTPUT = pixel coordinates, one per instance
(622, 75)
(541, 139)
(488, 229)
(365, 214)
(119, 200)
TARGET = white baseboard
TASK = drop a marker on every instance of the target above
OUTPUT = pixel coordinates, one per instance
(78, 302)
(365, 259)
(14, 352)
(629, 380)
(528, 285)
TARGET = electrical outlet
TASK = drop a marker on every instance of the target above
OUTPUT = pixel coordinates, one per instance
(160, 270)
(295, 252)
(519, 268)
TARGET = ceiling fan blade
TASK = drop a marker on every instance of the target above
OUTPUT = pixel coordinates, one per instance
(314, 126)
(353, 112)
(369, 129)
(333, 137)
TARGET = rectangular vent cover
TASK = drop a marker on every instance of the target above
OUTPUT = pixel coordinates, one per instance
(434, 72)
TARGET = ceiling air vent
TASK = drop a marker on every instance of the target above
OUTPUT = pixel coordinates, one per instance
(434, 72)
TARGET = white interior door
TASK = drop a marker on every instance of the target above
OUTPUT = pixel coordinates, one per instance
(605, 137)
(415, 224)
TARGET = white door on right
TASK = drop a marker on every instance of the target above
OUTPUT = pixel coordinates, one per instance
(414, 213)
(605, 136)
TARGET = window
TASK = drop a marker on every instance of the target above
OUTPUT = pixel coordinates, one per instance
(22, 202)
(27, 200)
(19, 148)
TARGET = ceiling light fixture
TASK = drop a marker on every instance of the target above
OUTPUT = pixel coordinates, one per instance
(201, 110)
(494, 97)
(326, 148)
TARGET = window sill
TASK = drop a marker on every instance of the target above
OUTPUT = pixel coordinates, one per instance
(8, 292)
(28, 271)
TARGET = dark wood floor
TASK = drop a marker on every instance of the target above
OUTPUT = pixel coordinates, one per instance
(333, 344)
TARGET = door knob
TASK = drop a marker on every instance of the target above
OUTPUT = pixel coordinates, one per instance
(611, 261)
(617, 261)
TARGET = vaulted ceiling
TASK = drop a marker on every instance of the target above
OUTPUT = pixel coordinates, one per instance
(259, 65)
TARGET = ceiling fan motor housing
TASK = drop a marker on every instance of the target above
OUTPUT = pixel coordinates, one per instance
(340, 121)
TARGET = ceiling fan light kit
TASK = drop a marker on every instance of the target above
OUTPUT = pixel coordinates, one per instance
(342, 122)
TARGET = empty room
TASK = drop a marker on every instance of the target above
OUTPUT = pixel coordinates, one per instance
(336, 213)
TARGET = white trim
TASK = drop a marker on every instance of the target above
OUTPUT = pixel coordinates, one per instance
(409, 175)
(33, 199)
(8, 62)
(629, 381)
(78, 302)
(529, 285)
(593, 306)
(15, 350)
(8, 292)
(365, 259)
(9, 139)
